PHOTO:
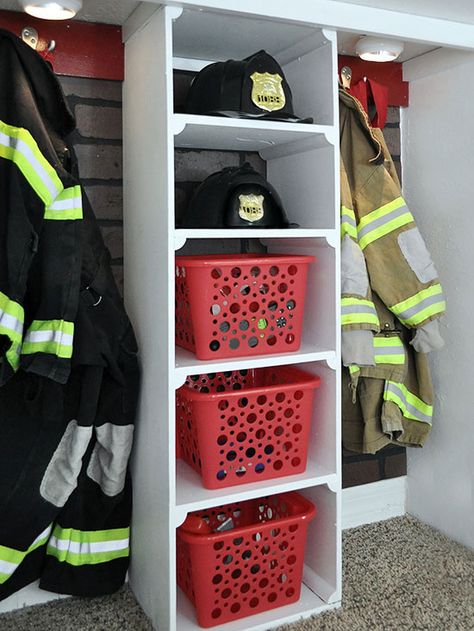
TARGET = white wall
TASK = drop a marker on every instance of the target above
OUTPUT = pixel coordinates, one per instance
(438, 176)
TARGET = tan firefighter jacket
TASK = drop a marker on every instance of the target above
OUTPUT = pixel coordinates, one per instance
(391, 297)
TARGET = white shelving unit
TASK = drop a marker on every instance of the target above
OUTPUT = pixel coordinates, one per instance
(302, 163)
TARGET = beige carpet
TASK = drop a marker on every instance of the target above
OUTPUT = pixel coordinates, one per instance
(400, 575)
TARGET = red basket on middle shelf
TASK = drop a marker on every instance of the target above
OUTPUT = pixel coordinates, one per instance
(244, 426)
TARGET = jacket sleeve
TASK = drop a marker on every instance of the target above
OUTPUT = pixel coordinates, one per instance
(37, 197)
(400, 267)
(359, 317)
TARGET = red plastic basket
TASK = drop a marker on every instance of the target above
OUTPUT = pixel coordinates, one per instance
(233, 305)
(244, 426)
(254, 564)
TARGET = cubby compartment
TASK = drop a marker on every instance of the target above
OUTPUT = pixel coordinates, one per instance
(306, 531)
(304, 52)
(322, 464)
(300, 163)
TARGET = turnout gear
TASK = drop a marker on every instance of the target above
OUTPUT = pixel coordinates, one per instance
(391, 296)
(236, 197)
(254, 87)
(68, 364)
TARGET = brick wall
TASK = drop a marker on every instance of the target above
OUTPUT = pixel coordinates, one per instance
(98, 142)
(97, 106)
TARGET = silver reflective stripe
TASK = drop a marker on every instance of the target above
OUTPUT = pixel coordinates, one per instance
(411, 409)
(389, 350)
(427, 302)
(49, 336)
(347, 309)
(377, 223)
(19, 145)
(11, 323)
(88, 547)
(66, 204)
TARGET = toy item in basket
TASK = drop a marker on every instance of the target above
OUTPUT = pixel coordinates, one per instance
(232, 305)
(254, 565)
(254, 87)
(236, 197)
(245, 426)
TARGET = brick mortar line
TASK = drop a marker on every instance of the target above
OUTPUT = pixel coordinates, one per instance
(77, 139)
(85, 182)
(110, 223)
(74, 100)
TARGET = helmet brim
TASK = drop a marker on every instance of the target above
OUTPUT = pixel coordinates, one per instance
(280, 116)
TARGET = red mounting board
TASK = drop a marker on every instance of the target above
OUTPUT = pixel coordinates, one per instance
(83, 49)
(389, 73)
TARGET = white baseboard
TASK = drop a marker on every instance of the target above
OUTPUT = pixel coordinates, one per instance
(30, 595)
(377, 501)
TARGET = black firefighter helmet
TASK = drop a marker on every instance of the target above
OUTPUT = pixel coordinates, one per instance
(236, 197)
(254, 87)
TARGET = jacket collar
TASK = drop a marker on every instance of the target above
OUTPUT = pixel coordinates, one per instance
(350, 102)
(48, 93)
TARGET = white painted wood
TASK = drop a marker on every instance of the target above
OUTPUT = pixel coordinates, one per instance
(308, 605)
(191, 495)
(344, 16)
(149, 252)
(181, 235)
(373, 502)
(441, 476)
(435, 62)
(240, 134)
(165, 493)
(187, 364)
(28, 596)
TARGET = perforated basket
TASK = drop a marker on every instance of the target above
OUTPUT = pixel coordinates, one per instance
(245, 426)
(233, 305)
(254, 567)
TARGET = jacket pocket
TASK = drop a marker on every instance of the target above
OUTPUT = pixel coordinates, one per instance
(109, 458)
(416, 255)
(60, 478)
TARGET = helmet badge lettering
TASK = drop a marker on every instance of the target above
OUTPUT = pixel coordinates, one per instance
(267, 91)
(251, 207)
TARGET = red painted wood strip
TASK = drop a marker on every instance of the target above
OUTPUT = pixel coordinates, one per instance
(83, 49)
(389, 73)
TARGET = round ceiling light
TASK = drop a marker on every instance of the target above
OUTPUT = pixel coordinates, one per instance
(378, 49)
(61, 10)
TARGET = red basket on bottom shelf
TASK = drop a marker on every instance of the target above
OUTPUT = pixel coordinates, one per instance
(254, 564)
(244, 426)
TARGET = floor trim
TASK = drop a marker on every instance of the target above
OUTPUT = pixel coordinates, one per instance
(377, 501)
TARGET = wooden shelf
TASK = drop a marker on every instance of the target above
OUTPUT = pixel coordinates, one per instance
(192, 496)
(308, 605)
(270, 138)
(187, 364)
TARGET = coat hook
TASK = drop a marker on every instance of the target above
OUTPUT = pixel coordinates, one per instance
(31, 37)
(346, 77)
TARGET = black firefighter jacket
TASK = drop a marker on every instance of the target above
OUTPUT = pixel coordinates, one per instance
(68, 365)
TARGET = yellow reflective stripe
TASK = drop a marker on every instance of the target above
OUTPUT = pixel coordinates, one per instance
(11, 325)
(19, 146)
(358, 311)
(54, 337)
(382, 221)
(398, 202)
(348, 223)
(89, 547)
(411, 406)
(423, 305)
(389, 350)
(353, 368)
(10, 558)
(67, 205)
